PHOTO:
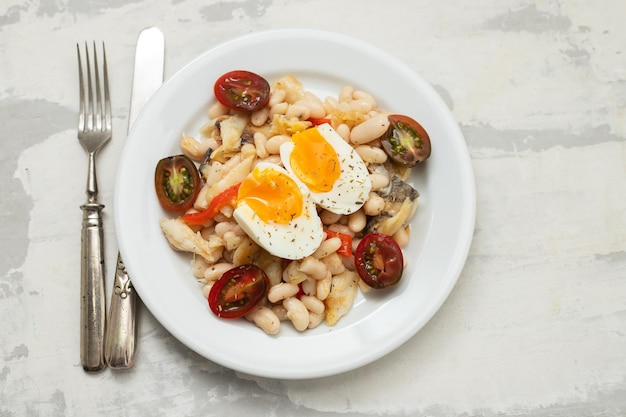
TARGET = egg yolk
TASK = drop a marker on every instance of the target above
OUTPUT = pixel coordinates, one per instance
(273, 195)
(314, 161)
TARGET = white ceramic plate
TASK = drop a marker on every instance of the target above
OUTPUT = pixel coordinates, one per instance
(379, 321)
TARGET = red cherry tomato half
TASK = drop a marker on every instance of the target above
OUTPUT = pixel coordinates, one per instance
(406, 141)
(242, 90)
(238, 291)
(378, 260)
(177, 183)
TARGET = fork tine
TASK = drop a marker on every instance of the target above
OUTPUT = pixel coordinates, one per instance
(81, 92)
(107, 99)
(98, 102)
(95, 107)
(90, 109)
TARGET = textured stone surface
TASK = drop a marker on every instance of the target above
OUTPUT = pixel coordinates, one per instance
(536, 325)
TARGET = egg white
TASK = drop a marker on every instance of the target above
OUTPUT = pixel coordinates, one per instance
(353, 186)
(295, 240)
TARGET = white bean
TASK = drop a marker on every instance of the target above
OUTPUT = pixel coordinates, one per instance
(327, 247)
(328, 217)
(298, 110)
(279, 108)
(232, 240)
(360, 106)
(223, 216)
(194, 148)
(315, 320)
(247, 150)
(273, 144)
(223, 227)
(281, 291)
(379, 181)
(309, 286)
(374, 205)
(313, 304)
(259, 117)
(323, 287)
(217, 109)
(316, 108)
(208, 229)
(344, 131)
(265, 319)
(371, 154)
(369, 130)
(345, 93)
(272, 159)
(313, 267)
(334, 263)
(280, 312)
(402, 236)
(297, 313)
(277, 96)
(237, 230)
(215, 271)
(292, 273)
(330, 104)
(362, 95)
(341, 228)
(227, 211)
(357, 221)
(259, 143)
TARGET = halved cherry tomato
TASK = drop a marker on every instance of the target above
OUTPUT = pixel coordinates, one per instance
(242, 90)
(346, 242)
(378, 260)
(223, 199)
(238, 291)
(406, 141)
(177, 183)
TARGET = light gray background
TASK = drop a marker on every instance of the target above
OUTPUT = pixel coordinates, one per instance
(536, 325)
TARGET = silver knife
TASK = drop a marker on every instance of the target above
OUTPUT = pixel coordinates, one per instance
(119, 348)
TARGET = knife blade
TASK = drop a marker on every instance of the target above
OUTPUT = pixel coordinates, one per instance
(120, 340)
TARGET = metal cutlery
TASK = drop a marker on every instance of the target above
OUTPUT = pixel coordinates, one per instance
(121, 328)
(94, 131)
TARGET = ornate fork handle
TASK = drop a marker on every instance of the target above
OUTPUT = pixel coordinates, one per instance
(120, 338)
(92, 288)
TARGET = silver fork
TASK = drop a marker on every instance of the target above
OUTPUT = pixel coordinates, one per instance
(94, 130)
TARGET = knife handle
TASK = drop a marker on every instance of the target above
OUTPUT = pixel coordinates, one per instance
(92, 314)
(120, 338)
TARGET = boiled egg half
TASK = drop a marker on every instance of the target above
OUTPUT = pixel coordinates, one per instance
(328, 167)
(277, 212)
